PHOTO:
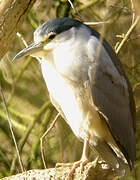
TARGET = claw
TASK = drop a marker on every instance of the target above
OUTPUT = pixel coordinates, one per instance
(82, 162)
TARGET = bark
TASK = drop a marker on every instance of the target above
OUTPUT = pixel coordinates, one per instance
(62, 173)
(12, 14)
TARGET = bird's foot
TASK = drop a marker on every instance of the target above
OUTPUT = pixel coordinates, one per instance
(73, 167)
(80, 163)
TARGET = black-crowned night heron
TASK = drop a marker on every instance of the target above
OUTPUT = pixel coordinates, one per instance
(88, 86)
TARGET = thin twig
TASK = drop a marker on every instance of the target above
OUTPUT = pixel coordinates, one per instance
(26, 45)
(133, 19)
(23, 140)
(95, 23)
(87, 23)
(25, 65)
(65, 9)
(15, 124)
(21, 71)
(11, 129)
(23, 40)
(133, 11)
(75, 10)
(127, 34)
(33, 152)
(135, 86)
(41, 139)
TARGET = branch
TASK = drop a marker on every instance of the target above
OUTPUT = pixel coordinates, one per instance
(60, 173)
(12, 14)
(127, 34)
(11, 129)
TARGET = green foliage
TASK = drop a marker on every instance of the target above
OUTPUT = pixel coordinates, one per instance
(26, 95)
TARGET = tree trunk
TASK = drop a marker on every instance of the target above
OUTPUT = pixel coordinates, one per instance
(12, 13)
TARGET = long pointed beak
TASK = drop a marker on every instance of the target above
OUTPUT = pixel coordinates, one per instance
(30, 50)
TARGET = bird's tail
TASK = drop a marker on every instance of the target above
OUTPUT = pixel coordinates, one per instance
(111, 158)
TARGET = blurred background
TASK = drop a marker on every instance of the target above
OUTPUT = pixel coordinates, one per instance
(27, 97)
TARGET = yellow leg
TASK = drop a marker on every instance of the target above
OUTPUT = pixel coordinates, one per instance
(84, 158)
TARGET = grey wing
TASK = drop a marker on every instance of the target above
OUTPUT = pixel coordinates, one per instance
(112, 96)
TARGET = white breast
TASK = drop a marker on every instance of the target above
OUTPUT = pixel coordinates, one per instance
(63, 94)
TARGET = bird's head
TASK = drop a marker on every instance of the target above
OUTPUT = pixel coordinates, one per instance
(48, 35)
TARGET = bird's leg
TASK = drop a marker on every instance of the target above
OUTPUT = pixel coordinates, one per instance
(84, 158)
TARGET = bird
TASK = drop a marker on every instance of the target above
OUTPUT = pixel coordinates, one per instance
(88, 87)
